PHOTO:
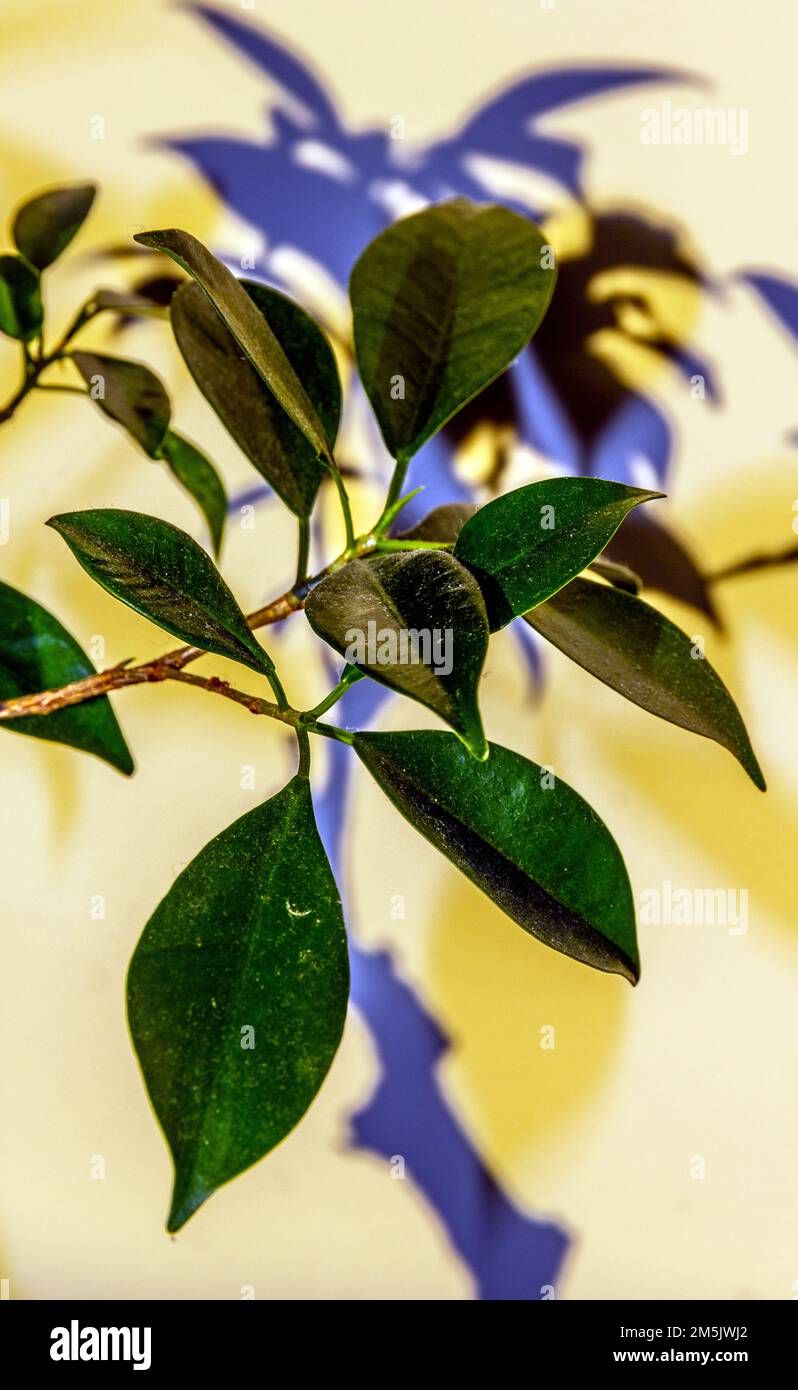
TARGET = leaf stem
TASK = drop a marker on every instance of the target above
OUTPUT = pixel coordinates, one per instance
(349, 677)
(303, 551)
(388, 546)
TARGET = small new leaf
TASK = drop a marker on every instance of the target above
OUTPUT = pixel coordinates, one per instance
(532, 845)
(44, 226)
(21, 312)
(247, 325)
(632, 648)
(247, 407)
(237, 995)
(527, 544)
(200, 479)
(37, 653)
(162, 573)
(443, 301)
(130, 394)
(416, 622)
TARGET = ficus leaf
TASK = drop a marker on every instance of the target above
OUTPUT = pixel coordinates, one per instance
(45, 225)
(416, 622)
(633, 649)
(130, 394)
(620, 576)
(246, 406)
(162, 573)
(200, 479)
(527, 544)
(237, 994)
(21, 311)
(443, 523)
(443, 301)
(37, 653)
(521, 835)
(247, 325)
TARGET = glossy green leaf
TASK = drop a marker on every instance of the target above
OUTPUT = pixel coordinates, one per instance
(635, 650)
(21, 311)
(237, 994)
(538, 851)
(247, 325)
(162, 573)
(37, 653)
(199, 477)
(44, 226)
(246, 407)
(526, 545)
(416, 622)
(130, 394)
(443, 301)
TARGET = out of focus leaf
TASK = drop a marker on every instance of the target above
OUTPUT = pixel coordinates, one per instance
(199, 477)
(21, 311)
(130, 394)
(45, 225)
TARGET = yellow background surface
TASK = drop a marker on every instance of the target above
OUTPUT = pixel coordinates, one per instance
(702, 1058)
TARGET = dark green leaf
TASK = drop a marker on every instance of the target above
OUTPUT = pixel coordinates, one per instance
(620, 576)
(199, 477)
(37, 653)
(247, 325)
(538, 851)
(404, 619)
(443, 523)
(131, 394)
(526, 545)
(159, 571)
(44, 226)
(237, 995)
(443, 301)
(635, 650)
(21, 310)
(246, 407)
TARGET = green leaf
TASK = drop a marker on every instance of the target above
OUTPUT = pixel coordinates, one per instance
(526, 545)
(404, 618)
(45, 225)
(162, 573)
(443, 523)
(125, 302)
(237, 995)
(37, 653)
(21, 311)
(130, 394)
(538, 851)
(247, 325)
(443, 302)
(621, 576)
(635, 650)
(247, 408)
(199, 477)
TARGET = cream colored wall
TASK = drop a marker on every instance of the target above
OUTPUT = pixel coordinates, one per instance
(702, 1057)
